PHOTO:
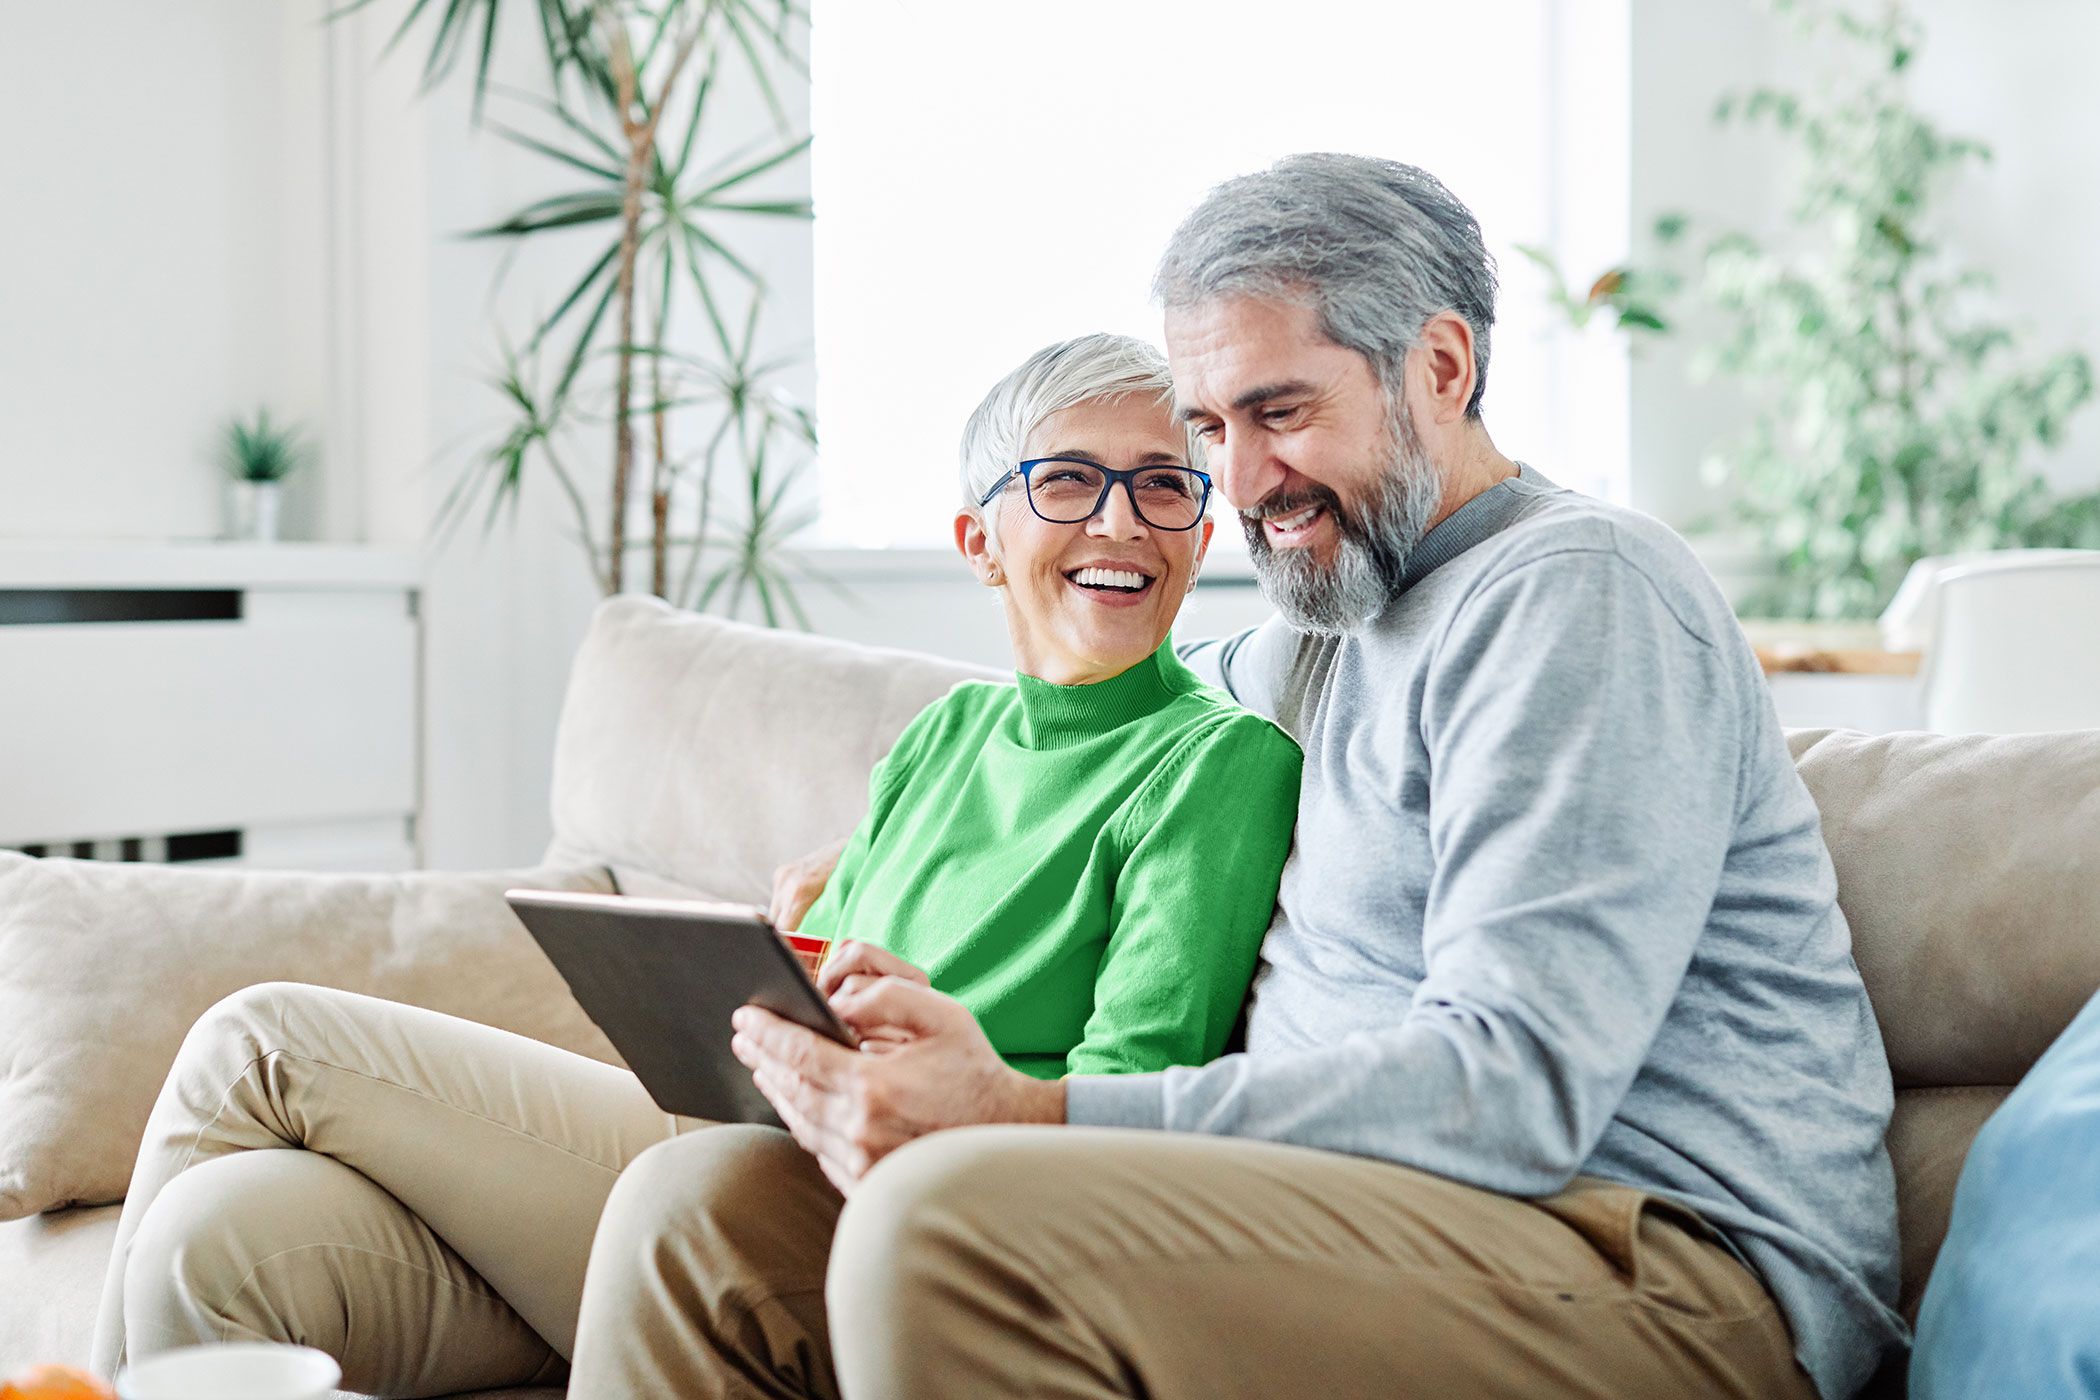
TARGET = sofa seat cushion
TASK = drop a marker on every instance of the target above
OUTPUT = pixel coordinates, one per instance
(51, 1269)
(104, 967)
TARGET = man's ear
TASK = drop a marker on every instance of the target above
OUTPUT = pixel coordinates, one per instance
(1442, 367)
(975, 547)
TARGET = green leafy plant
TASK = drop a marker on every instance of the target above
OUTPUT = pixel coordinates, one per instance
(628, 120)
(262, 451)
(1894, 418)
(1633, 296)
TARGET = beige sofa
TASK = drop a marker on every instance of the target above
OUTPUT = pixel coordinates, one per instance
(694, 755)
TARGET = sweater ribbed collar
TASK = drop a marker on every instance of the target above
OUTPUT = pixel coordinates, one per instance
(1486, 515)
(1058, 716)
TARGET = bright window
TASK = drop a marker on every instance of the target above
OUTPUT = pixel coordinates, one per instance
(993, 175)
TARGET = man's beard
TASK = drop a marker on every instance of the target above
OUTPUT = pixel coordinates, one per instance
(1374, 540)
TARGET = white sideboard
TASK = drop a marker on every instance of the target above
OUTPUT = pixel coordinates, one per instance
(238, 704)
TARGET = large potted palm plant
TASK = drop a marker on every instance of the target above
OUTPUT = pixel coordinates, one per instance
(656, 335)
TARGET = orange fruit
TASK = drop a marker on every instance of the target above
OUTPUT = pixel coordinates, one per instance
(55, 1383)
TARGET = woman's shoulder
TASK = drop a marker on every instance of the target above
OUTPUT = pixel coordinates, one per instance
(1209, 718)
(966, 709)
(1222, 742)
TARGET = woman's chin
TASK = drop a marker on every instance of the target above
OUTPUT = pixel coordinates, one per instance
(1112, 651)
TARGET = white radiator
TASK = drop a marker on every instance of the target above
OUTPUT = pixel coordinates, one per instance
(238, 704)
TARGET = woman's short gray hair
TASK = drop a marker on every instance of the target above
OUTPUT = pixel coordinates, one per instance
(1054, 378)
(1375, 247)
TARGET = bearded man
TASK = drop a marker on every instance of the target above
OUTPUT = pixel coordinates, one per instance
(1559, 1078)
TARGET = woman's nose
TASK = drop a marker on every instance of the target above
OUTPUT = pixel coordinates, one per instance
(1117, 519)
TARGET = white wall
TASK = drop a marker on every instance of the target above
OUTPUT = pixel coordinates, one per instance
(246, 205)
(2019, 83)
(161, 169)
(225, 202)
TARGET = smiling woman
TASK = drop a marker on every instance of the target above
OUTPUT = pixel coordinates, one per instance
(1085, 860)
(1097, 541)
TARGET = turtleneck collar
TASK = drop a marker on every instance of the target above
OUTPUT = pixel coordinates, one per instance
(1058, 716)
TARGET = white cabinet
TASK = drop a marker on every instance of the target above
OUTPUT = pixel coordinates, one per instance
(252, 705)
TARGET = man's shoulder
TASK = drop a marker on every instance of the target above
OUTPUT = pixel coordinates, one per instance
(1563, 531)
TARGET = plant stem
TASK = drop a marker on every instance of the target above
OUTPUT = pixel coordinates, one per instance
(641, 147)
(638, 136)
(583, 516)
(659, 476)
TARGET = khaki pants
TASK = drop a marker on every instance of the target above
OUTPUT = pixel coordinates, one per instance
(433, 1233)
(435, 1237)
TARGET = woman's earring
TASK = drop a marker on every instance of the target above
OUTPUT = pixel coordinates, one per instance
(992, 576)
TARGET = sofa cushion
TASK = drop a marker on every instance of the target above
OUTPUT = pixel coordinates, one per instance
(695, 755)
(1928, 1141)
(1967, 868)
(103, 968)
(51, 1271)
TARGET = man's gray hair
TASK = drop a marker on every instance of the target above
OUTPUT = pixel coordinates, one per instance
(1375, 247)
(1054, 378)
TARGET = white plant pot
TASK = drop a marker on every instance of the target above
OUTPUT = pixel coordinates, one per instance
(251, 508)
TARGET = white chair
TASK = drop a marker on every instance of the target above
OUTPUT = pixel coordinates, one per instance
(2015, 644)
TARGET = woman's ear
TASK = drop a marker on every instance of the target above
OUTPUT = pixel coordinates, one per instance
(1203, 533)
(975, 546)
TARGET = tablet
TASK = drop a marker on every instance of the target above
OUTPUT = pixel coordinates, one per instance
(661, 976)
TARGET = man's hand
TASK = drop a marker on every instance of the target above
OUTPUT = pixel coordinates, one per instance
(854, 966)
(797, 884)
(852, 1108)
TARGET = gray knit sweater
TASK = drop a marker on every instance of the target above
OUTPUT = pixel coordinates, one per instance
(1559, 904)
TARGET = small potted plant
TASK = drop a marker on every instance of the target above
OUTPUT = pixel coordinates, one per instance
(258, 457)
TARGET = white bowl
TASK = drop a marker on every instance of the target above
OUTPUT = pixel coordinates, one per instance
(232, 1371)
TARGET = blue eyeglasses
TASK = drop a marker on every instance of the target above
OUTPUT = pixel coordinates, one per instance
(1067, 490)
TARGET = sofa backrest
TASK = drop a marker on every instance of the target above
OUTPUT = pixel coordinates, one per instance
(694, 755)
(698, 754)
(1969, 869)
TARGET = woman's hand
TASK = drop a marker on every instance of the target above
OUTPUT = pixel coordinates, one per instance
(797, 884)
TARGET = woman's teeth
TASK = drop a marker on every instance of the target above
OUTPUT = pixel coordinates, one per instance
(1109, 578)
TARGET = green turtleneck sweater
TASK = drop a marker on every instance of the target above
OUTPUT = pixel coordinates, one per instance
(1088, 868)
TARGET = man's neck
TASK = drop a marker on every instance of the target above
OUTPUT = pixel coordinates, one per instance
(1473, 467)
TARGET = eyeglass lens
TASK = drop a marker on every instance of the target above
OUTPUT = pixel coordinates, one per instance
(1170, 498)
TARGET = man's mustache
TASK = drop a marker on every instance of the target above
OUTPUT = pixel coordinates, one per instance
(1276, 505)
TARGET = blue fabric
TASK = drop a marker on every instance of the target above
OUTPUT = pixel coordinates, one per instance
(2013, 1309)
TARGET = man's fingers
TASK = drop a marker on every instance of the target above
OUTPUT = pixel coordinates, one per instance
(892, 1004)
(813, 1057)
(806, 1112)
(854, 958)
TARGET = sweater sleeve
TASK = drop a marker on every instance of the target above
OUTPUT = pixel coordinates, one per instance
(1252, 667)
(1208, 835)
(1583, 779)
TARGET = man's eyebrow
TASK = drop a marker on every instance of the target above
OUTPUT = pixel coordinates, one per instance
(1263, 393)
(1249, 398)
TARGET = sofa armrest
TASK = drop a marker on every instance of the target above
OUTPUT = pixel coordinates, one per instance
(104, 967)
